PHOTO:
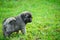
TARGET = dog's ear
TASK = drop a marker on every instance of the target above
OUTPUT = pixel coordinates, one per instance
(23, 17)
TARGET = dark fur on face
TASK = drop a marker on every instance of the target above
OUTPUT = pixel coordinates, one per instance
(14, 24)
(27, 17)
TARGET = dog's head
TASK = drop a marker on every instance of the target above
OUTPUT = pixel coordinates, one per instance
(26, 17)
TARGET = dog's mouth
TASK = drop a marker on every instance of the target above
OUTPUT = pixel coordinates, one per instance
(30, 20)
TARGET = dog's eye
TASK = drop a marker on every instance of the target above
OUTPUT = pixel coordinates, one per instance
(29, 16)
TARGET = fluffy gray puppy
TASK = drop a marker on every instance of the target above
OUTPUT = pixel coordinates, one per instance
(14, 24)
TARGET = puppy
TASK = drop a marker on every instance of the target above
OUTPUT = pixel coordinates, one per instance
(14, 24)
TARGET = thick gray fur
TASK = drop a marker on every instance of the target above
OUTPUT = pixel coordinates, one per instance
(13, 24)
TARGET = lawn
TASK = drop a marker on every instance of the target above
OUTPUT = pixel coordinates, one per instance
(45, 23)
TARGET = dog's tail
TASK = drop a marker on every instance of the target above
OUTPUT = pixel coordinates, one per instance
(4, 20)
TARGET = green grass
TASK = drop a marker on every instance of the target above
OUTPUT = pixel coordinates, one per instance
(45, 23)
